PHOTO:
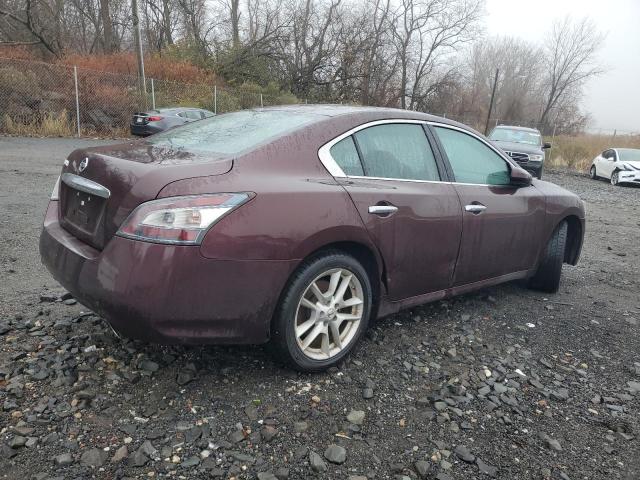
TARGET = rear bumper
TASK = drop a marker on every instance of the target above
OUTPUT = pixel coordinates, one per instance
(165, 293)
(143, 130)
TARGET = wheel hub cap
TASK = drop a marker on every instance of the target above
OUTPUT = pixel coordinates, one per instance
(329, 314)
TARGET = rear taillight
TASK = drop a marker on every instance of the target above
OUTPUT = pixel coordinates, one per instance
(180, 220)
(155, 118)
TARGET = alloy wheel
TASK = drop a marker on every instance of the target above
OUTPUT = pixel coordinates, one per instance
(614, 178)
(329, 314)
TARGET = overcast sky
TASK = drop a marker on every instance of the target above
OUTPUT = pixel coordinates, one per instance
(613, 99)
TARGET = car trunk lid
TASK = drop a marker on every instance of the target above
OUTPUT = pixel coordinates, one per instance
(101, 186)
(142, 118)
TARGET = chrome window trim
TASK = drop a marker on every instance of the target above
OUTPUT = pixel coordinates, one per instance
(85, 185)
(324, 153)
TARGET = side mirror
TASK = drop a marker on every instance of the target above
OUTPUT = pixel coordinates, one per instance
(520, 177)
(546, 145)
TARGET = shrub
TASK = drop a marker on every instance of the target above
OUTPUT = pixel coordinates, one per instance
(48, 125)
(155, 66)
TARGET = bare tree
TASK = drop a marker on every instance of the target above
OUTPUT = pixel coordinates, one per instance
(36, 22)
(426, 30)
(571, 52)
(107, 26)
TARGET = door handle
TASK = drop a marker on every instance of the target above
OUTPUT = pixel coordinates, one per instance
(382, 209)
(475, 208)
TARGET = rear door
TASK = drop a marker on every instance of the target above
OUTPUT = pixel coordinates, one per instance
(501, 223)
(414, 218)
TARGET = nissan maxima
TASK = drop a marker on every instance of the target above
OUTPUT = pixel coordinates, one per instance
(298, 226)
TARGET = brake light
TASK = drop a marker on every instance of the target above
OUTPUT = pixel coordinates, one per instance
(180, 220)
(154, 118)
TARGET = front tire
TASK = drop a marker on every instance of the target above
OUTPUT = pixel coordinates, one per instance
(592, 173)
(323, 312)
(615, 179)
(547, 277)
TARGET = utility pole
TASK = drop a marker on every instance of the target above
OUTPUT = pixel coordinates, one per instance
(493, 96)
(142, 83)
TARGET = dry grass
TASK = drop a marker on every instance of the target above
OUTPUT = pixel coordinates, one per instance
(50, 125)
(577, 152)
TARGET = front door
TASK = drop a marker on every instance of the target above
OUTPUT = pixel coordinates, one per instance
(606, 163)
(412, 216)
(501, 233)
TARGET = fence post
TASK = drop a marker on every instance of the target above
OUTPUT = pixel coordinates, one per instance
(153, 95)
(215, 99)
(261, 103)
(75, 81)
(553, 137)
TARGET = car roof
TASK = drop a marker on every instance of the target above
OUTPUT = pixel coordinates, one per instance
(178, 109)
(363, 113)
(515, 127)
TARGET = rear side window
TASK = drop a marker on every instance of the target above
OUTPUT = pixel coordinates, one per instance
(346, 156)
(233, 132)
(471, 160)
(399, 151)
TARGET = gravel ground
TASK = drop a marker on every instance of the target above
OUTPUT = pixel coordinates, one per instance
(503, 383)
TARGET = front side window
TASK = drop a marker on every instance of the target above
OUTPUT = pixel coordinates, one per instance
(471, 160)
(346, 156)
(397, 150)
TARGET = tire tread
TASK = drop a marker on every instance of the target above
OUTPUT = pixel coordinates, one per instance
(547, 277)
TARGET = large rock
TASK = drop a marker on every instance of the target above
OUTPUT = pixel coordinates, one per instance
(93, 458)
(317, 464)
(335, 454)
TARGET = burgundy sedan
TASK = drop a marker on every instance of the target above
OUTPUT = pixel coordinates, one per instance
(298, 226)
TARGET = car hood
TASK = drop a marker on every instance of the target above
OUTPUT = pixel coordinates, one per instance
(518, 147)
(634, 164)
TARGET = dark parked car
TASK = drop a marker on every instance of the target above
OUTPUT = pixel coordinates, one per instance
(298, 225)
(144, 124)
(524, 145)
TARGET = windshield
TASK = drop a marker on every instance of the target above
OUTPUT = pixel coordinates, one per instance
(232, 132)
(516, 136)
(629, 154)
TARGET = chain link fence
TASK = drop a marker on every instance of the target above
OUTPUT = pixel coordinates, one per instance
(38, 98)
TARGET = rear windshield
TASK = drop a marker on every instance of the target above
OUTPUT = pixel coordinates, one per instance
(232, 132)
(629, 155)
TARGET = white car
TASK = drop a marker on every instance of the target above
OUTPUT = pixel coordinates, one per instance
(620, 165)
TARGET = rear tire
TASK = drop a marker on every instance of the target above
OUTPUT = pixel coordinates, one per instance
(547, 277)
(592, 173)
(310, 305)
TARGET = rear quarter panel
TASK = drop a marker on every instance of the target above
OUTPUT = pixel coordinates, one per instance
(298, 207)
